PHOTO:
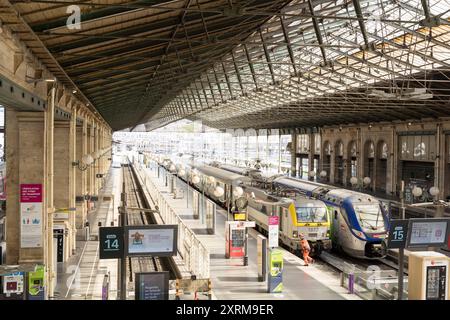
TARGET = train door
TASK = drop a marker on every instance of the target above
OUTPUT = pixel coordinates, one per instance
(335, 225)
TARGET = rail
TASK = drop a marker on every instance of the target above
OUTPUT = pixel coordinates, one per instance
(190, 249)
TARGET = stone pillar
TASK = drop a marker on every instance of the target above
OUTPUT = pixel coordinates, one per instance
(332, 162)
(439, 163)
(26, 156)
(392, 175)
(81, 176)
(97, 161)
(73, 177)
(62, 169)
(294, 154)
(91, 169)
(312, 149)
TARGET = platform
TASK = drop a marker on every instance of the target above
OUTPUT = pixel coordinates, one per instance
(232, 280)
(81, 277)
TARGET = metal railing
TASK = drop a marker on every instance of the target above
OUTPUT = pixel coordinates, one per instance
(372, 284)
(190, 249)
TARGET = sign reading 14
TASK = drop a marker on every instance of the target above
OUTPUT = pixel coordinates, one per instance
(112, 243)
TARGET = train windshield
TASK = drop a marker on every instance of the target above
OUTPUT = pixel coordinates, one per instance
(311, 214)
(370, 217)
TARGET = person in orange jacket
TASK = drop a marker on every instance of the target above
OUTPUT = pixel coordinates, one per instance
(306, 249)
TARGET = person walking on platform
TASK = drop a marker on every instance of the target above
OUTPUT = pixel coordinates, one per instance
(306, 249)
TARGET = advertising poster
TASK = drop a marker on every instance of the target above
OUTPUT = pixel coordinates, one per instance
(273, 231)
(151, 241)
(31, 215)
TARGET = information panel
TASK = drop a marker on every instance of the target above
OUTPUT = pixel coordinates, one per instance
(31, 228)
(152, 286)
(427, 232)
(154, 240)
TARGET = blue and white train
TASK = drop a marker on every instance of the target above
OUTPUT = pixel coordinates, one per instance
(359, 222)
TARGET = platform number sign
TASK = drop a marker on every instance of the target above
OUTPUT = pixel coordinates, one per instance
(111, 242)
(398, 233)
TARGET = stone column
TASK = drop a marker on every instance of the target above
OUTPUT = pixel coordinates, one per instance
(62, 169)
(439, 163)
(26, 156)
(332, 162)
(312, 149)
(73, 177)
(293, 154)
(81, 176)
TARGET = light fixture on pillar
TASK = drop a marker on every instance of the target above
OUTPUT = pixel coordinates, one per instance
(323, 174)
(218, 191)
(434, 191)
(367, 181)
(237, 192)
(417, 192)
(85, 162)
(195, 179)
(354, 181)
(312, 173)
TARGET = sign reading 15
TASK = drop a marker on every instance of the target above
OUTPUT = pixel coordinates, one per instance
(398, 233)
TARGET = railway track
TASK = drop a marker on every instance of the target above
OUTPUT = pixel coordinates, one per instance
(134, 198)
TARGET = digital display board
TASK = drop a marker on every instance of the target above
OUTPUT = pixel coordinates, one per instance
(152, 286)
(154, 240)
(427, 232)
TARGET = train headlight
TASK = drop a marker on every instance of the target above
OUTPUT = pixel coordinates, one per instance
(359, 234)
(295, 234)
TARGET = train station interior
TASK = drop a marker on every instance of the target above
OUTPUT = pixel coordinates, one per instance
(225, 150)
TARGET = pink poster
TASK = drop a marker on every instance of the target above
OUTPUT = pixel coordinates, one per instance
(31, 193)
(273, 220)
(31, 227)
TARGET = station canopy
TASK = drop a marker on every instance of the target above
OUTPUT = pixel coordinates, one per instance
(240, 64)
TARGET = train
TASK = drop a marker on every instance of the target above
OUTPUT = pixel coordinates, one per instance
(354, 223)
(297, 216)
(359, 222)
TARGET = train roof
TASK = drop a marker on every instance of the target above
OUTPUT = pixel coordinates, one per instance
(298, 201)
(300, 184)
(333, 193)
(236, 169)
(355, 196)
(223, 175)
